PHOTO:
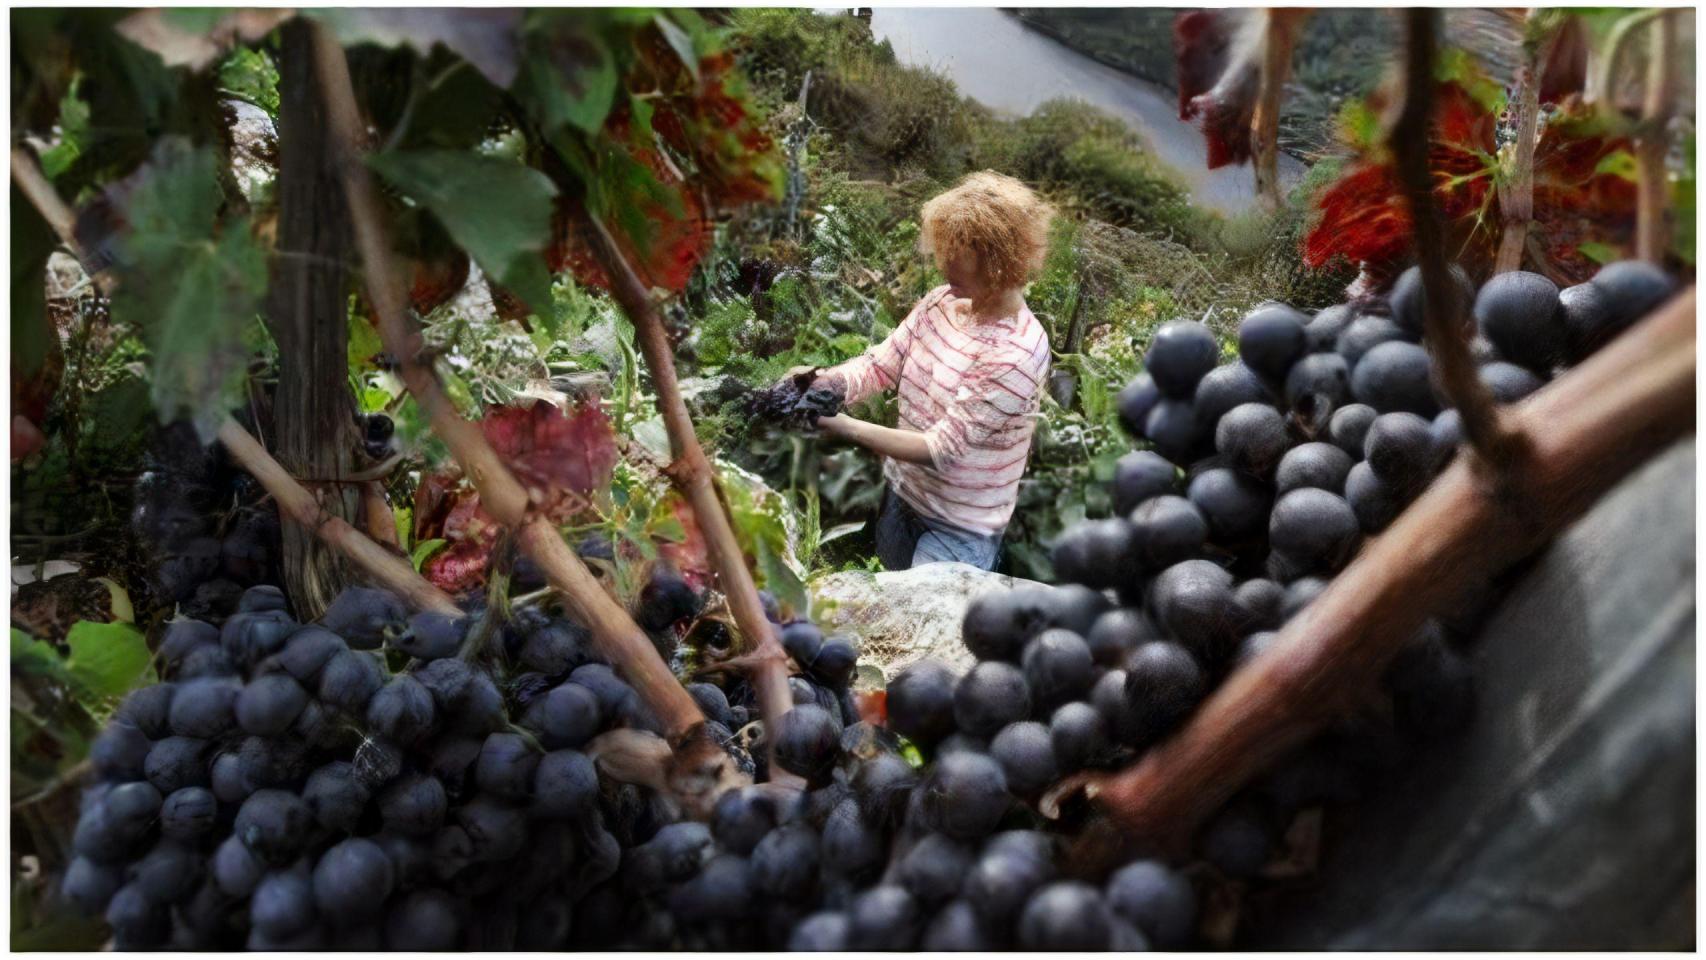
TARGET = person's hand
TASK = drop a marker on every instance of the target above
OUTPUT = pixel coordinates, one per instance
(840, 426)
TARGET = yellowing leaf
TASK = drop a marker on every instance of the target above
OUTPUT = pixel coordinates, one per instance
(108, 659)
(425, 550)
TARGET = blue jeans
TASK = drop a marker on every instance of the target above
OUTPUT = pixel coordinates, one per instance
(906, 539)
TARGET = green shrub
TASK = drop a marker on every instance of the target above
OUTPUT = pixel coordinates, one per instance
(1095, 162)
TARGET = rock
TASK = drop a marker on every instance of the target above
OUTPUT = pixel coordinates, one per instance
(704, 395)
(254, 148)
(905, 615)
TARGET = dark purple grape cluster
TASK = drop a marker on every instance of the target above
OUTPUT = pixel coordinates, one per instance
(369, 781)
(1262, 478)
(878, 852)
(794, 404)
(208, 529)
(384, 781)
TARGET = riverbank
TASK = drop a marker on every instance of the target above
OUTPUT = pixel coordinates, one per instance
(994, 58)
(1346, 52)
(1138, 41)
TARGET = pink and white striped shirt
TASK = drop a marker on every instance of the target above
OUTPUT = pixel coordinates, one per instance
(972, 388)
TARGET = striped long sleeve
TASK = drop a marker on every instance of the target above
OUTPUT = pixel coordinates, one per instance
(878, 368)
(972, 389)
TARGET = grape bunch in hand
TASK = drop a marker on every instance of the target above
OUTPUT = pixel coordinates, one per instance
(797, 401)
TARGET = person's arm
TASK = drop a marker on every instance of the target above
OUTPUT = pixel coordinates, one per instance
(878, 368)
(908, 446)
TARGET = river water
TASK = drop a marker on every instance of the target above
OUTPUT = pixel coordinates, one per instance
(996, 60)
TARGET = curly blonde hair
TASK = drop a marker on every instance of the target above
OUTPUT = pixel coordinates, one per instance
(994, 216)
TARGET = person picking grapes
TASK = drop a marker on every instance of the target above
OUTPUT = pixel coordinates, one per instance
(967, 365)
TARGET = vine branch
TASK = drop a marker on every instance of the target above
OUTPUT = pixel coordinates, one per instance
(1491, 437)
(617, 638)
(39, 191)
(386, 568)
(692, 473)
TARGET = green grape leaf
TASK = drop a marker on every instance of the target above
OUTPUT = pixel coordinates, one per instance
(372, 399)
(194, 285)
(498, 210)
(456, 111)
(568, 76)
(73, 133)
(364, 343)
(680, 41)
(1683, 200)
(250, 74)
(1619, 163)
(36, 657)
(1598, 252)
(108, 659)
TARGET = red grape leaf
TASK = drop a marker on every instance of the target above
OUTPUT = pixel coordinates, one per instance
(1565, 71)
(562, 458)
(1584, 190)
(27, 438)
(434, 498)
(679, 238)
(1219, 54)
(873, 706)
(735, 158)
(461, 566)
(1200, 41)
(1362, 216)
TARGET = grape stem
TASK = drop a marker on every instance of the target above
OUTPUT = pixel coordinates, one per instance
(386, 568)
(1591, 427)
(1445, 330)
(615, 635)
(692, 474)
